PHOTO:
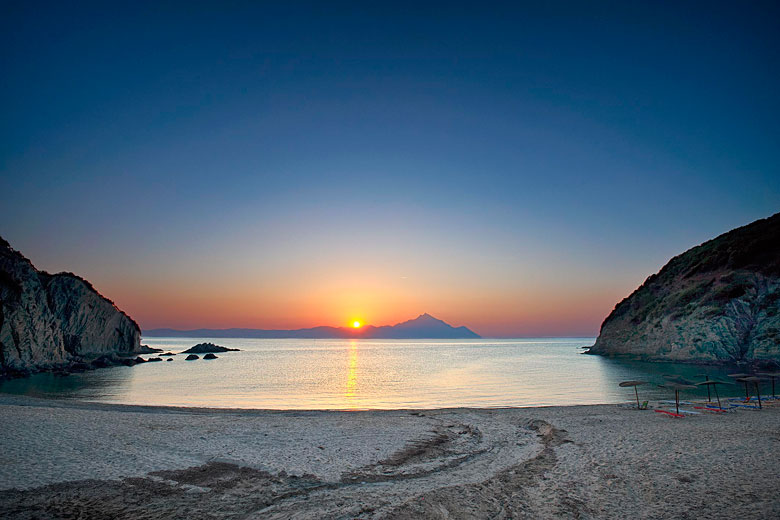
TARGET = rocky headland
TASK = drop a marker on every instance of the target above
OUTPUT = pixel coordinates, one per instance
(58, 321)
(717, 302)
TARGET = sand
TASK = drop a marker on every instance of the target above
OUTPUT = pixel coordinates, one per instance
(64, 459)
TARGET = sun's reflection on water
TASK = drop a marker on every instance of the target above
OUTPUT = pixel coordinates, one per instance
(362, 374)
(352, 372)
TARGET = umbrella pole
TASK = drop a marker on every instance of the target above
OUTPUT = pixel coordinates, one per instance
(747, 392)
(637, 397)
(717, 396)
(758, 393)
(773, 387)
(709, 397)
(677, 401)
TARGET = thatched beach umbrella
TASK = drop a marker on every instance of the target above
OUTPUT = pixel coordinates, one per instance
(755, 380)
(677, 379)
(738, 377)
(635, 384)
(772, 376)
(706, 378)
(714, 385)
(677, 384)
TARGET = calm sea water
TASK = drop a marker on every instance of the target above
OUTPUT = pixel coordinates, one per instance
(359, 374)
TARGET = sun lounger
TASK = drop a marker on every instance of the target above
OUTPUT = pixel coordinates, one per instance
(672, 414)
(753, 407)
(690, 412)
(710, 409)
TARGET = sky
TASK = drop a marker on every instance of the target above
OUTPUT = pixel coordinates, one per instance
(518, 169)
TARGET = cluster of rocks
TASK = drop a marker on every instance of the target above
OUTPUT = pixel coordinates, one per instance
(193, 357)
(83, 365)
(113, 360)
(139, 360)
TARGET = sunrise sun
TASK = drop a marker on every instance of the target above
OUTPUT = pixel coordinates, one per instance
(356, 324)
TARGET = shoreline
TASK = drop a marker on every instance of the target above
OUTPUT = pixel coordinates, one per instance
(588, 461)
(26, 400)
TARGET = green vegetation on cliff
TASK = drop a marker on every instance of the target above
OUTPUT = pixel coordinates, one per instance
(719, 301)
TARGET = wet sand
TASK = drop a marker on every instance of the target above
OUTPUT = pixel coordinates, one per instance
(65, 459)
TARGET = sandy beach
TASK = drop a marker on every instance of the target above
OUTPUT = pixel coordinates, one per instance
(66, 459)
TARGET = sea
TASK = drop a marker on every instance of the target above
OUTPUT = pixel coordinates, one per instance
(310, 374)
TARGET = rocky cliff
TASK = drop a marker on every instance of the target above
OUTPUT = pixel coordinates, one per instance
(54, 320)
(717, 302)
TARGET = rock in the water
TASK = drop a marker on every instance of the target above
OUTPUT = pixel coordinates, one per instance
(191, 357)
(169, 359)
(52, 320)
(209, 356)
(154, 359)
(104, 362)
(139, 359)
(146, 349)
(717, 302)
(203, 348)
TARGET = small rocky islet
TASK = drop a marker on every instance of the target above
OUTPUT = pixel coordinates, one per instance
(208, 348)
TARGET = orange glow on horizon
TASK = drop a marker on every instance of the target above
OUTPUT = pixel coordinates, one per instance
(505, 311)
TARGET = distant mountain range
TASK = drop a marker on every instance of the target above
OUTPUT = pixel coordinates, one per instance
(424, 326)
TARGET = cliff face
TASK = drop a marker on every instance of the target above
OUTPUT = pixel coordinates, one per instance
(717, 302)
(49, 320)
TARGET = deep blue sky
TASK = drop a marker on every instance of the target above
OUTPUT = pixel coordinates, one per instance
(519, 169)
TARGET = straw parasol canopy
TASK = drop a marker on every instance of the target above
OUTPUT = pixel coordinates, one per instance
(677, 384)
(677, 380)
(714, 385)
(738, 377)
(706, 378)
(625, 384)
(771, 375)
(755, 380)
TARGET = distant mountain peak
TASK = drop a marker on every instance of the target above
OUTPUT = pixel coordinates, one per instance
(426, 317)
